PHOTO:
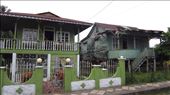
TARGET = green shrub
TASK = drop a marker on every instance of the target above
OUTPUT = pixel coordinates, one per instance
(140, 77)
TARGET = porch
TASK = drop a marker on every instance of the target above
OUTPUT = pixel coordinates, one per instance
(8, 44)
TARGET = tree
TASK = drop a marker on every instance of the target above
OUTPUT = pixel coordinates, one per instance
(4, 9)
(163, 49)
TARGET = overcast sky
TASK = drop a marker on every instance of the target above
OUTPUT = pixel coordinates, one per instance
(153, 15)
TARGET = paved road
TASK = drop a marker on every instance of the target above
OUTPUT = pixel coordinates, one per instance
(123, 89)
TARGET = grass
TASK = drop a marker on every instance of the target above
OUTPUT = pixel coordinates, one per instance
(140, 77)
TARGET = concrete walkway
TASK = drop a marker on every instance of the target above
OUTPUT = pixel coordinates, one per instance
(123, 89)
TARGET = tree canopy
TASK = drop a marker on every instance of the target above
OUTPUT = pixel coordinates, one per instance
(4, 9)
(164, 47)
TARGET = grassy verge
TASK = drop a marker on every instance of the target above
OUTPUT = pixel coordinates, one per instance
(140, 77)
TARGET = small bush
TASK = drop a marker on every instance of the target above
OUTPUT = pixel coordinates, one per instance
(140, 77)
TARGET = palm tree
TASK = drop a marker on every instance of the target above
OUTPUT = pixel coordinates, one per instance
(4, 9)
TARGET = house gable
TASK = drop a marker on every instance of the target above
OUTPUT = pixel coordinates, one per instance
(49, 14)
(118, 37)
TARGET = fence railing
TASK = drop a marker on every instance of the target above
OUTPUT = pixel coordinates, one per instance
(86, 66)
(37, 45)
(23, 70)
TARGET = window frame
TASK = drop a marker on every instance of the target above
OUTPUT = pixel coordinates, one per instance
(29, 30)
(59, 36)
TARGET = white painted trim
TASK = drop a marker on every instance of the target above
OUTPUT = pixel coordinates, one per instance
(88, 84)
(106, 82)
(13, 66)
(48, 66)
(68, 66)
(78, 64)
(96, 65)
(39, 67)
(104, 69)
(28, 89)
(78, 36)
(2, 67)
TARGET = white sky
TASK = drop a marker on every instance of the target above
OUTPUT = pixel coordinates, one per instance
(153, 15)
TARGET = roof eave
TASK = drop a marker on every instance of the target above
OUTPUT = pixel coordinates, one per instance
(45, 19)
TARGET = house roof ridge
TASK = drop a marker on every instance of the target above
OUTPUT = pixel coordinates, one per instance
(123, 26)
(48, 12)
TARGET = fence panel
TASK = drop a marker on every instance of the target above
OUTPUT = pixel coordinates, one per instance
(86, 67)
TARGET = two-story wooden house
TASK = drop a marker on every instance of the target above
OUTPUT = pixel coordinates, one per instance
(112, 41)
(26, 37)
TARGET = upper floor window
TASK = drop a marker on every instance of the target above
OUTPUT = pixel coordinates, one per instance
(49, 33)
(124, 43)
(63, 37)
(29, 34)
(115, 43)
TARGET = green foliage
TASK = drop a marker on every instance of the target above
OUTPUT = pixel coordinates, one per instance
(4, 8)
(6, 34)
(139, 77)
(163, 50)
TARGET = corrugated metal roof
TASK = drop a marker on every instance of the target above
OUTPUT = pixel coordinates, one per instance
(120, 28)
(44, 17)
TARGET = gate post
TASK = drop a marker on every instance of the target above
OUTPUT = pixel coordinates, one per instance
(13, 66)
(1, 78)
(69, 76)
(37, 79)
(4, 80)
(121, 70)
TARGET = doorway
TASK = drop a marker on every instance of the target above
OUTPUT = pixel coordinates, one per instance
(49, 35)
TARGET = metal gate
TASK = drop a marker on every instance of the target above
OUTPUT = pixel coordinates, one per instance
(56, 83)
(21, 66)
(86, 67)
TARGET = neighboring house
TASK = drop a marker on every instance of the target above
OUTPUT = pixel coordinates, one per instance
(107, 41)
(26, 37)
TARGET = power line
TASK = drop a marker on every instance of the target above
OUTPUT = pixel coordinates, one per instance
(131, 8)
(100, 10)
(122, 12)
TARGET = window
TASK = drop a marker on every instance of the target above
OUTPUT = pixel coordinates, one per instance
(124, 42)
(49, 33)
(63, 37)
(115, 44)
(29, 34)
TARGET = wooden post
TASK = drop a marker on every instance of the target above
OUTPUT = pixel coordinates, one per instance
(154, 64)
(38, 34)
(147, 65)
(15, 30)
(129, 66)
(78, 37)
(139, 69)
(60, 33)
(118, 41)
(134, 42)
(15, 33)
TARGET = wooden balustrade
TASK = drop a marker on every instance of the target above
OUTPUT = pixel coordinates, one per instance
(37, 45)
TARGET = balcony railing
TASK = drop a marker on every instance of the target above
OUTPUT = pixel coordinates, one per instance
(37, 45)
